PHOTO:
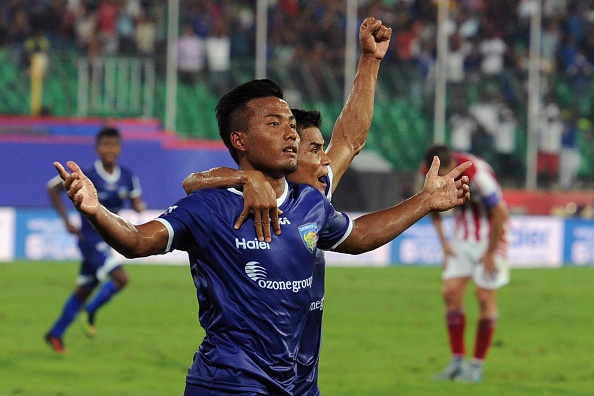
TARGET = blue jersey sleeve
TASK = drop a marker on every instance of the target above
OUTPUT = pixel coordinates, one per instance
(189, 224)
(337, 228)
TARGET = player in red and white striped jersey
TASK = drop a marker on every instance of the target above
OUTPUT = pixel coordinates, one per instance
(477, 250)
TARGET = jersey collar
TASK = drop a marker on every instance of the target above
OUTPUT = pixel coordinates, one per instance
(279, 201)
(108, 177)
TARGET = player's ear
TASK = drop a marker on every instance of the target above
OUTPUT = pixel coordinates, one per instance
(237, 140)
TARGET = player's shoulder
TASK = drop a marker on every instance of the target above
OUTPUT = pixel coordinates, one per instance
(90, 169)
(215, 195)
(299, 189)
(128, 172)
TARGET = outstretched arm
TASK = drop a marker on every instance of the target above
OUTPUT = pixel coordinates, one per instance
(259, 196)
(439, 193)
(129, 240)
(351, 127)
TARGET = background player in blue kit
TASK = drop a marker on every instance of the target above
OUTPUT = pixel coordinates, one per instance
(114, 185)
(253, 296)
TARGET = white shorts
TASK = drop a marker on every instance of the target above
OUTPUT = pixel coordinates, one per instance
(465, 264)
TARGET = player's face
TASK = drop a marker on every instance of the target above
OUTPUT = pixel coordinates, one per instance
(313, 161)
(109, 149)
(269, 141)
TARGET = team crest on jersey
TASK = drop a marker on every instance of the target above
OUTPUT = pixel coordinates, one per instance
(309, 235)
(123, 192)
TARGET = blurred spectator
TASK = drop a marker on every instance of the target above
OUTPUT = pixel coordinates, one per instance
(506, 165)
(242, 25)
(56, 24)
(579, 74)
(284, 41)
(218, 57)
(126, 26)
(406, 47)
(493, 50)
(549, 142)
(190, 55)
(36, 46)
(458, 49)
(569, 154)
(486, 113)
(145, 35)
(463, 127)
(19, 28)
(107, 15)
(426, 62)
(568, 52)
(85, 27)
(549, 46)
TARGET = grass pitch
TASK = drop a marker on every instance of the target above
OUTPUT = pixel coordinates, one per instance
(383, 334)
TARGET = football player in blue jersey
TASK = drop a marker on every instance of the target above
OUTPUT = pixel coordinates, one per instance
(254, 296)
(318, 168)
(115, 185)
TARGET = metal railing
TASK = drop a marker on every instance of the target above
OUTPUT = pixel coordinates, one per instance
(119, 85)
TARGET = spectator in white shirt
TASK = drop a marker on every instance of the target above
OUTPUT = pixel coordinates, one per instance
(190, 55)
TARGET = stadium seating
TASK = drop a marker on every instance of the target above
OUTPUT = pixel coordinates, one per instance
(400, 131)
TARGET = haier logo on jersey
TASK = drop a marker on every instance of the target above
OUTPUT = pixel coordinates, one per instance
(309, 235)
(253, 244)
(258, 274)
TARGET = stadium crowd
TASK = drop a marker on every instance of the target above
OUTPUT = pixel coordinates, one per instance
(488, 35)
(488, 43)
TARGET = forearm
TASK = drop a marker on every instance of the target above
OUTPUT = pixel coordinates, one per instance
(376, 229)
(129, 240)
(214, 178)
(497, 219)
(352, 126)
(354, 121)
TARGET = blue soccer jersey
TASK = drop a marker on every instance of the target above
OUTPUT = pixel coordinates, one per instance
(254, 297)
(306, 383)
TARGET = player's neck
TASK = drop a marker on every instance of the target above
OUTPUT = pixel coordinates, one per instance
(109, 168)
(278, 185)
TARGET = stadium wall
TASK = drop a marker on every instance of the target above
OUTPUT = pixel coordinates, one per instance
(160, 160)
(535, 241)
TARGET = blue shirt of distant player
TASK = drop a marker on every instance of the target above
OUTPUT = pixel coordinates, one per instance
(113, 190)
(254, 297)
(310, 346)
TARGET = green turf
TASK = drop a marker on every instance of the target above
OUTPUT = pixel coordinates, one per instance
(383, 334)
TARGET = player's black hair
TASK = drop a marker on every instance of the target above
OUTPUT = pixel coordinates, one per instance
(444, 153)
(307, 118)
(229, 109)
(107, 132)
